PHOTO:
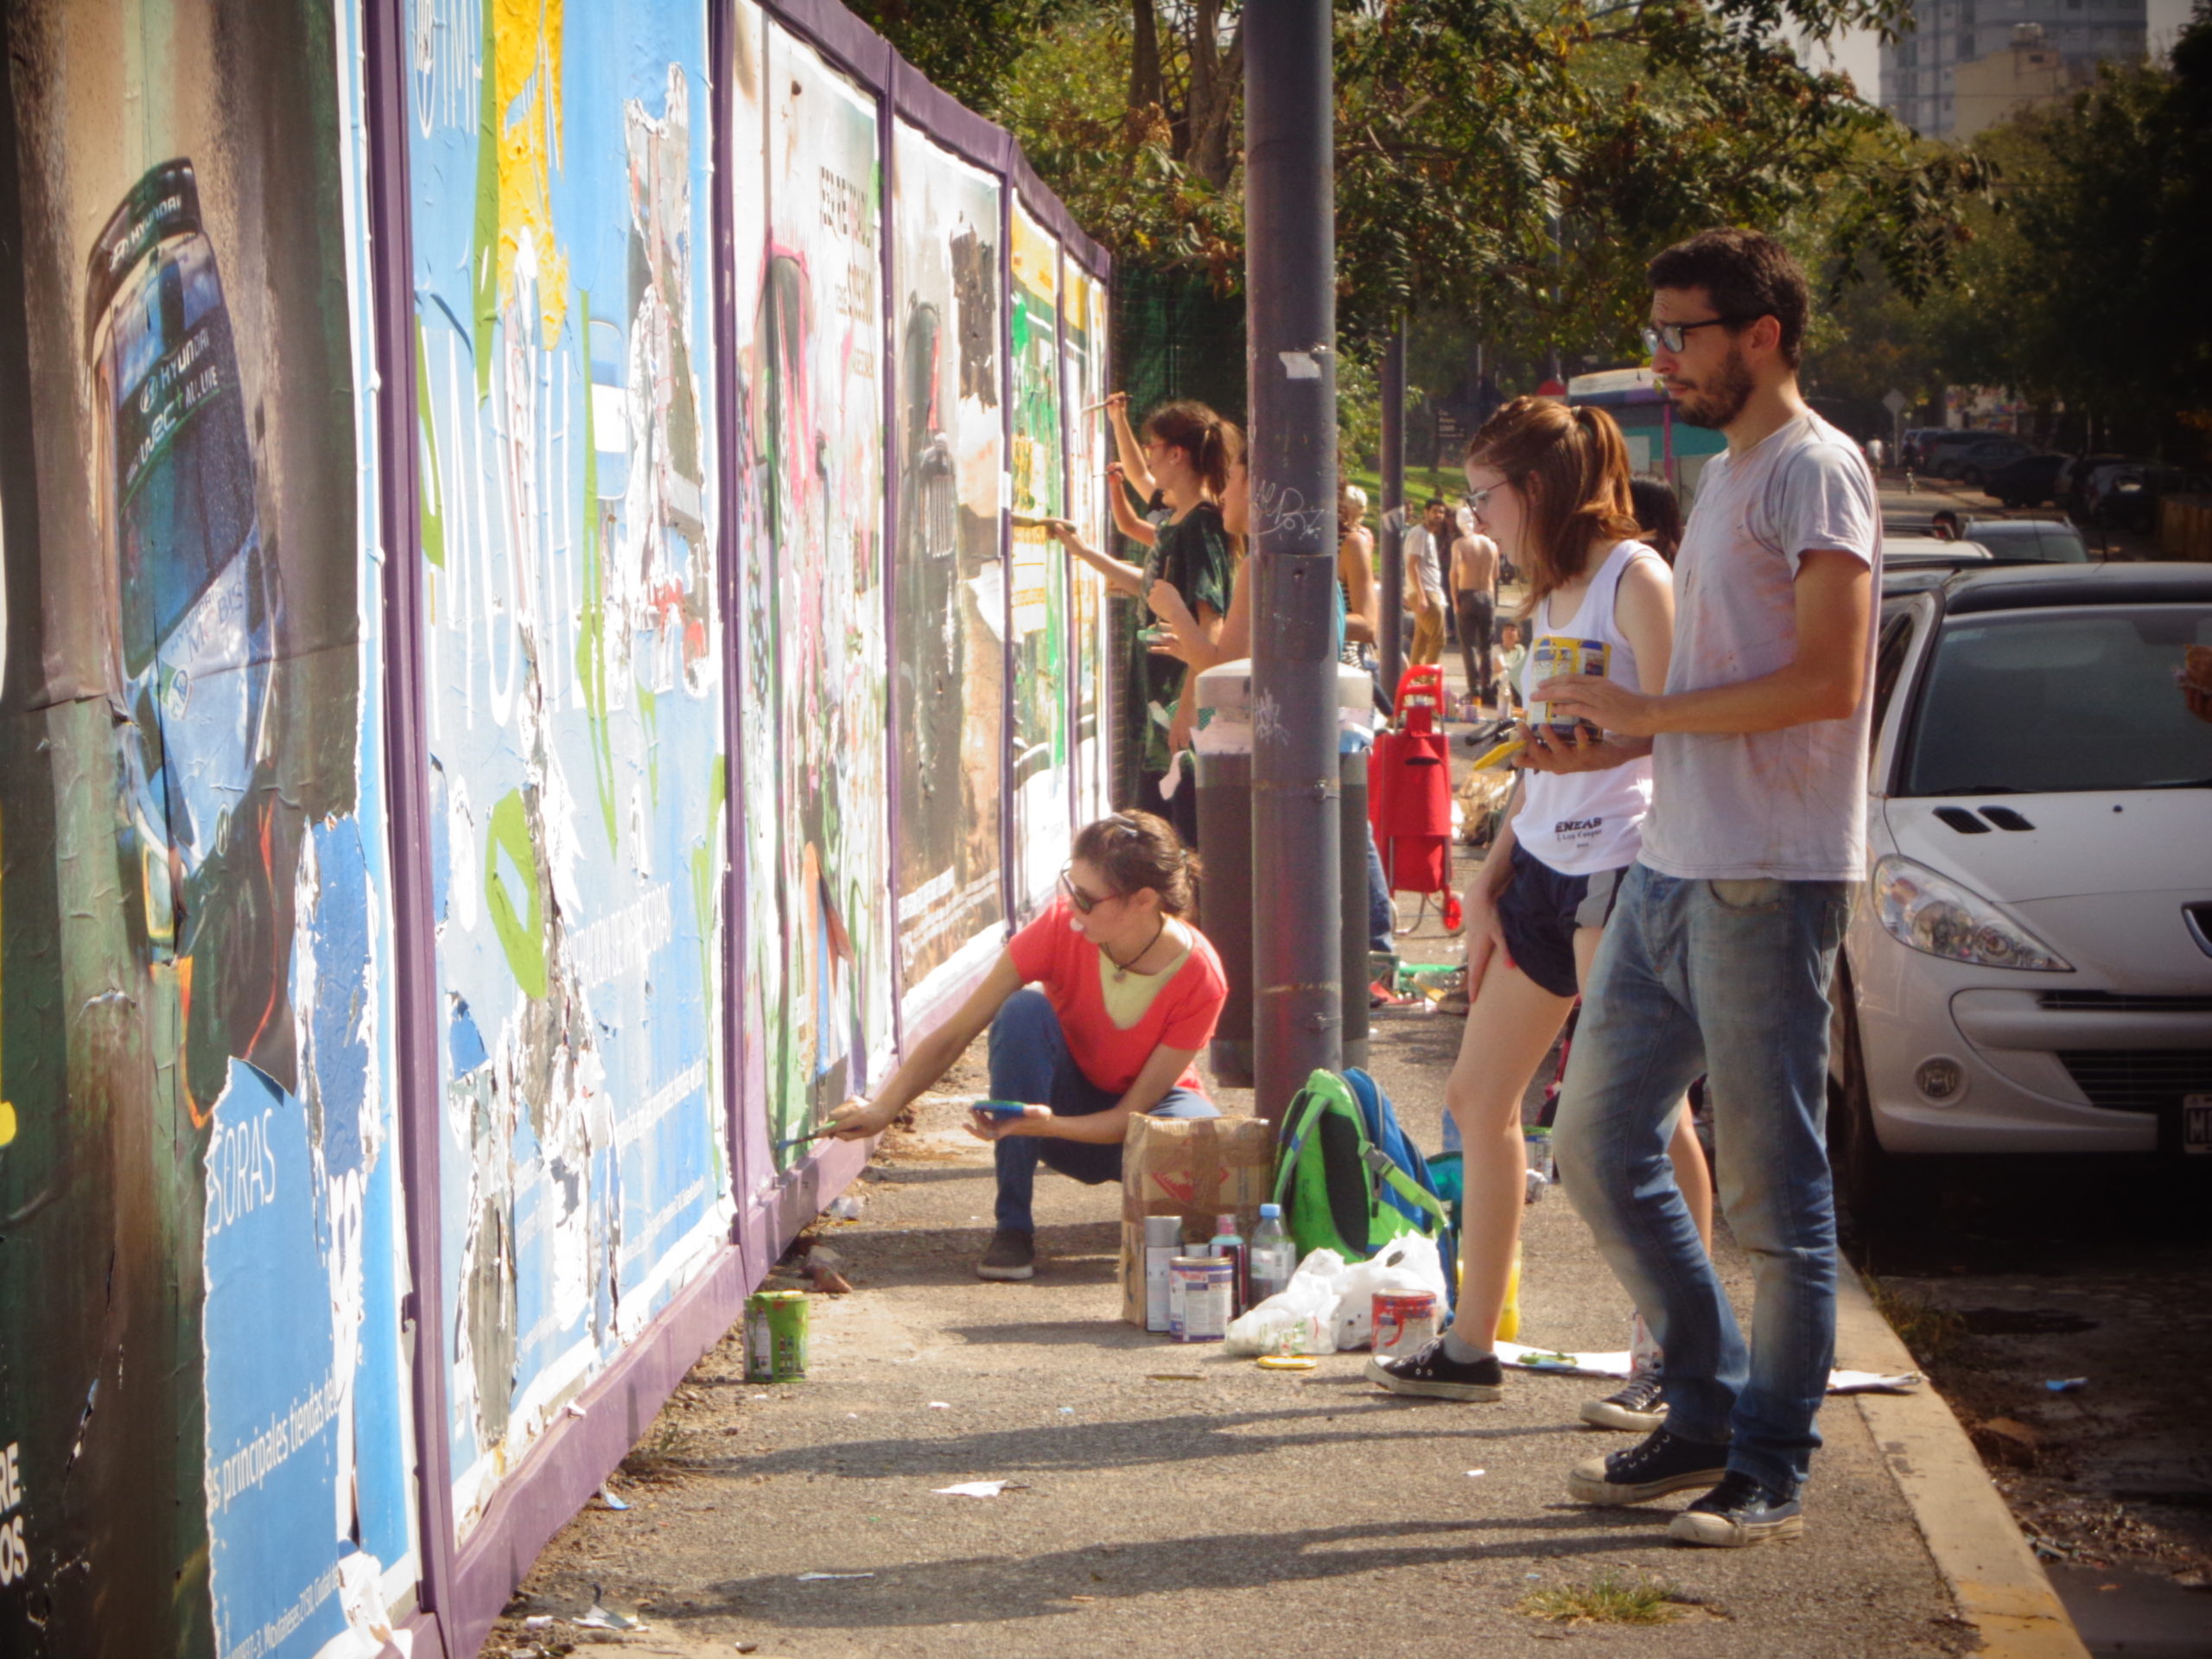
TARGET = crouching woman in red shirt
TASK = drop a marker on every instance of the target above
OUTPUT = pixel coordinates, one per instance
(1096, 1010)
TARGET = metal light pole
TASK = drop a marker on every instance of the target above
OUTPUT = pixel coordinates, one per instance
(1290, 277)
(1390, 546)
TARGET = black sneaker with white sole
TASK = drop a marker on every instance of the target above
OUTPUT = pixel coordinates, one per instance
(1637, 1407)
(1660, 1463)
(1429, 1370)
(1010, 1256)
(1737, 1512)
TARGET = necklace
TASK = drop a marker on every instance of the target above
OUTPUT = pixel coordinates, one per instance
(1122, 971)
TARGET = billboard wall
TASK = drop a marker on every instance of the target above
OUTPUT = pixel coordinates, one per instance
(573, 636)
(949, 576)
(437, 476)
(1083, 335)
(1043, 772)
(197, 1146)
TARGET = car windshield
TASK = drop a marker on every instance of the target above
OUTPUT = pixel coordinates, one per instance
(2052, 702)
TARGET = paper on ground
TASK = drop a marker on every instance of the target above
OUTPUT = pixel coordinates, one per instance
(973, 1488)
(1617, 1364)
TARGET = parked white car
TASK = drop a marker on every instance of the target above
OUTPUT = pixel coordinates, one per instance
(2030, 967)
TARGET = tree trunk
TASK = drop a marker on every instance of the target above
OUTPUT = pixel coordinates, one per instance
(1145, 87)
(1215, 78)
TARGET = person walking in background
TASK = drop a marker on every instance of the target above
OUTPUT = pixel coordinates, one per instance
(1474, 599)
(1551, 483)
(1724, 939)
(1424, 584)
(1186, 448)
(1097, 1010)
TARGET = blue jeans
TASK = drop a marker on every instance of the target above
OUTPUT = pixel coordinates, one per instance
(1030, 1063)
(1382, 914)
(1729, 978)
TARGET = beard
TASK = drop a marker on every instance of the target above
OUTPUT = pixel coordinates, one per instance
(1721, 398)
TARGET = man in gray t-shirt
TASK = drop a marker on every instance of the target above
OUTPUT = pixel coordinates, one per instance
(1723, 941)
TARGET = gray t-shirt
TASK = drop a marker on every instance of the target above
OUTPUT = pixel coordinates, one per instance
(1790, 803)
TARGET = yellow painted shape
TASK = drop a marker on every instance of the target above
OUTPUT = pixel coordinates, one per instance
(526, 59)
(7, 1123)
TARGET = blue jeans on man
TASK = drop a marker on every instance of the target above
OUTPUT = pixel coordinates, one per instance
(1030, 1063)
(1729, 978)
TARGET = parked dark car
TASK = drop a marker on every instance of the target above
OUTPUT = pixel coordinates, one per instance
(1947, 451)
(2045, 541)
(1973, 464)
(2072, 485)
(2027, 482)
(2130, 499)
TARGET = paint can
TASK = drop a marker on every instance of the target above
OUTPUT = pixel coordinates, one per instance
(1199, 1290)
(1163, 1242)
(1555, 655)
(775, 1336)
(1404, 1320)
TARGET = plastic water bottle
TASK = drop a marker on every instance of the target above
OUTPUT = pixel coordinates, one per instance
(1275, 1258)
(1228, 1242)
(1542, 1173)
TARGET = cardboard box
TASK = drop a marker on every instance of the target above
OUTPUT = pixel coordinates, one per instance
(1196, 1169)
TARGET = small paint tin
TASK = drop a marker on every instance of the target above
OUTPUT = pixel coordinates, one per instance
(1199, 1290)
(1555, 655)
(1404, 1319)
(775, 1336)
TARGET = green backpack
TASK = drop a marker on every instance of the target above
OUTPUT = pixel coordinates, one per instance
(1338, 1190)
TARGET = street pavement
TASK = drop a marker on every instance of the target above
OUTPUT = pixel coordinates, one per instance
(1167, 1500)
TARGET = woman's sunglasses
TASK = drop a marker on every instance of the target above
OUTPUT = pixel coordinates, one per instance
(1085, 903)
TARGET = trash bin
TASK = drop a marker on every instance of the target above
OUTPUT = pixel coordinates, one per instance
(1224, 742)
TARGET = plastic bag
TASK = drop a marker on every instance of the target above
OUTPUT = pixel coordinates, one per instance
(1299, 1318)
(1408, 1263)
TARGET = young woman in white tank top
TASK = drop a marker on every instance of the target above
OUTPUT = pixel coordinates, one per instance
(1550, 486)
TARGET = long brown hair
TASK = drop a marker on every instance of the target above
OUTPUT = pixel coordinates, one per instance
(1570, 467)
(1199, 433)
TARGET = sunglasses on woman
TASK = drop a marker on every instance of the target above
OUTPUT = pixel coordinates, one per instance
(1085, 903)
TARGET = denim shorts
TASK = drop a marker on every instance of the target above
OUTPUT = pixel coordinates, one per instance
(1540, 911)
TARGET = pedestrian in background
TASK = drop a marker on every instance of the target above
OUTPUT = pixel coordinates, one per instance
(1659, 512)
(1724, 939)
(1424, 583)
(1474, 599)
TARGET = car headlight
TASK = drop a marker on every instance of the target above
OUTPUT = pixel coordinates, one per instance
(1923, 911)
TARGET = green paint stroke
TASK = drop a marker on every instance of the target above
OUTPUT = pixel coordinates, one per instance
(591, 623)
(523, 938)
(706, 884)
(484, 250)
(433, 498)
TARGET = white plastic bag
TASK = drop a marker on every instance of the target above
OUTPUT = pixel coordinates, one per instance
(1409, 1262)
(1299, 1318)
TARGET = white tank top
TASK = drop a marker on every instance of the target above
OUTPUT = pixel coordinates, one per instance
(1580, 823)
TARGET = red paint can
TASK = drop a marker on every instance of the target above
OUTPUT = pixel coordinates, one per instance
(1404, 1319)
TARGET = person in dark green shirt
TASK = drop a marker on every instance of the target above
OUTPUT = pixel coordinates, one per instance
(1188, 446)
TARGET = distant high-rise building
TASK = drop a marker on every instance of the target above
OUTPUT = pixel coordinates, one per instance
(1919, 85)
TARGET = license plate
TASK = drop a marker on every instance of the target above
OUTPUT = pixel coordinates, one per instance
(2197, 1123)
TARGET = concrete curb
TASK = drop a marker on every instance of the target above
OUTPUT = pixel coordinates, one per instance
(1994, 1577)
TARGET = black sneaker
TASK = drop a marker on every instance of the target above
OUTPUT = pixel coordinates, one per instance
(1738, 1512)
(1660, 1463)
(1429, 1370)
(1011, 1255)
(1637, 1407)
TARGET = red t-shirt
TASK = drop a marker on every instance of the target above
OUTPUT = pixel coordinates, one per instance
(1051, 954)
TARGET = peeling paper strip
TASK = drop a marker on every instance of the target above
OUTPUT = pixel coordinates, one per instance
(1299, 366)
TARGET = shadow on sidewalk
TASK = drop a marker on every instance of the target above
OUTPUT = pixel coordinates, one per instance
(994, 1588)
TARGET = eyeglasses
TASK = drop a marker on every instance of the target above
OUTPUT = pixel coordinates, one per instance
(1480, 499)
(1671, 334)
(1085, 903)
